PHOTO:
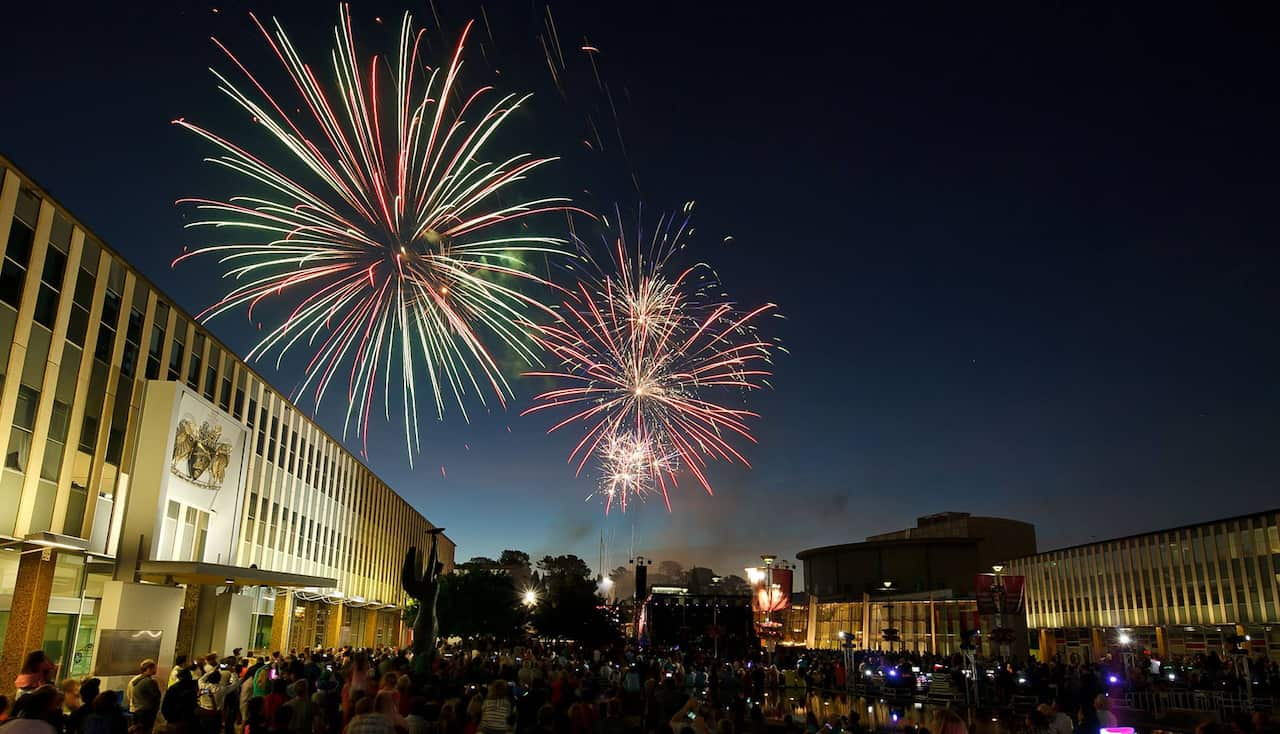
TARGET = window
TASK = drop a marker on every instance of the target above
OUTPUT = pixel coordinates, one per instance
(24, 420)
(107, 327)
(93, 408)
(155, 345)
(17, 254)
(211, 373)
(55, 266)
(81, 303)
(132, 343)
(175, 354)
(197, 355)
(169, 531)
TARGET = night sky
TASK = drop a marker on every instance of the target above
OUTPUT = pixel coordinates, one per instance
(1027, 256)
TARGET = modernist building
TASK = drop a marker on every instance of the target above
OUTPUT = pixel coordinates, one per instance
(1174, 592)
(919, 581)
(157, 495)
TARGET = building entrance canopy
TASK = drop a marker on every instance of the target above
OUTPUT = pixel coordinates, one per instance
(214, 574)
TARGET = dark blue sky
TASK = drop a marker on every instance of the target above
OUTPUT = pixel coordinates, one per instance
(1027, 256)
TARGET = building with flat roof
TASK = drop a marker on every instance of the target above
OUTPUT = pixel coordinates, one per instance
(1174, 592)
(158, 496)
(919, 582)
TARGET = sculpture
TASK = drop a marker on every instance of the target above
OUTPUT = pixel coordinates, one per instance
(423, 585)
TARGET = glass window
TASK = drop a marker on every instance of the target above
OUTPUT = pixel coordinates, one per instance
(197, 354)
(119, 421)
(211, 373)
(132, 343)
(93, 407)
(155, 345)
(55, 266)
(175, 354)
(17, 254)
(81, 304)
(107, 328)
(168, 531)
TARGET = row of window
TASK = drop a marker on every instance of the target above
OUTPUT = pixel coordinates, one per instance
(83, 445)
(1209, 575)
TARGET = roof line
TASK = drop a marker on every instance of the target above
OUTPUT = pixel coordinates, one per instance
(1248, 515)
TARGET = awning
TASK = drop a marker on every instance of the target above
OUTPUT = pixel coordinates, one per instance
(215, 574)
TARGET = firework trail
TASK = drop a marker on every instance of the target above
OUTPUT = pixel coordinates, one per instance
(380, 226)
(649, 357)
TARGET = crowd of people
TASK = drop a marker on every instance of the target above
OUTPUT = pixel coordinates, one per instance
(540, 690)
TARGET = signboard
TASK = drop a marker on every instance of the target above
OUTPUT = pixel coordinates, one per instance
(120, 651)
(203, 479)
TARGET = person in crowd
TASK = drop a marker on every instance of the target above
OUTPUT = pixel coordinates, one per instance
(70, 695)
(37, 711)
(275, 699)
(37, 671)
(386, 704)
(179, 663)
(418, 720)
(497, 715)
(142, 692)
(302, 711)
(1102, 705)
(86, 692)
(105, 716)
(366, 720)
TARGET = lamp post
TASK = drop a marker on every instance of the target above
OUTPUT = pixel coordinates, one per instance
(997, 591)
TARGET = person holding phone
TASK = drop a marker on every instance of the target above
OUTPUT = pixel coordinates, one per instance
(694, 714)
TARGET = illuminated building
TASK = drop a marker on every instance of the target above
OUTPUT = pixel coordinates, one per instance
(919, 581)
(1174, 593)
(155, 487)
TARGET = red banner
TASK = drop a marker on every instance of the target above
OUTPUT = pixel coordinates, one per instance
(1003, 598)
(772, 592)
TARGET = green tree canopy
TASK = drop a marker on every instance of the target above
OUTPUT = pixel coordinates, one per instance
(480, 603)
(568, 607)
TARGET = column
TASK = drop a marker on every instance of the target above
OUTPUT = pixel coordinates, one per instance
(333, 626)
(28, 612)
(281, 619)
(1162, 643)
(1099, 646)
(187, 621)
(370, 627)
(1047, 645)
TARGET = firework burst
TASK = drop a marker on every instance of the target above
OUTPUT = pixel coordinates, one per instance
(632, 467)
(392, 245)
(650, 359)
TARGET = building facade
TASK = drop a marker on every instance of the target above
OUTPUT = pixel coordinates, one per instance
(153, 482)
(1175, 592)
(918, 582)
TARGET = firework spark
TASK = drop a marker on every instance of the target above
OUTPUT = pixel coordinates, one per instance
(382, 228)
(632, 467)
(648, 359)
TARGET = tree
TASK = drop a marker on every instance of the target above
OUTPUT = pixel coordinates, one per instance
(478, 563)
(516, 564)
(569, 607)
(670, 573)
(734, 586)
(624, 582)
(513, 558)
(480, 603)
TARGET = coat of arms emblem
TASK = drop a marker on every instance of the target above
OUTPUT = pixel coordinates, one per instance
(199, 454)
